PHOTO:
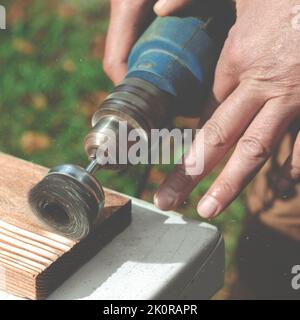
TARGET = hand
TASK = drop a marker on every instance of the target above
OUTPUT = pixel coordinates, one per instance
(127, 21)
(257, 85)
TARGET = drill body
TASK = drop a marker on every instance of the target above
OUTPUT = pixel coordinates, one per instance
(170, 70)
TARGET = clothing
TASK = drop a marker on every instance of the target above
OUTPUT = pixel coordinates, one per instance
(281, 214)
(265, 259)
(269, 246)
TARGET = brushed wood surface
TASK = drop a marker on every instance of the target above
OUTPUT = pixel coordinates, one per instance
(33, 259)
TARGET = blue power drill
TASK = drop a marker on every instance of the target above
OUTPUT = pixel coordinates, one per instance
(170, 71)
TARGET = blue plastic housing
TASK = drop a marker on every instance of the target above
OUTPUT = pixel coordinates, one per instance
(176, 55)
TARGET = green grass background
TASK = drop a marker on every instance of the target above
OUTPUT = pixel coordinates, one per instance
(51, 83)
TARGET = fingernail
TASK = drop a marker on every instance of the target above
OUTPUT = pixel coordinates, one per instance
(160, 5)
(165, 199)
(208, 207)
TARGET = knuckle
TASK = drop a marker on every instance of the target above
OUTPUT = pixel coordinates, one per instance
(226, 188)
(295, 173)
(214, 135)
(234, 51)
(253, 148)
(108, 66)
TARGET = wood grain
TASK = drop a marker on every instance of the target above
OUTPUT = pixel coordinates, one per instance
(33, 259)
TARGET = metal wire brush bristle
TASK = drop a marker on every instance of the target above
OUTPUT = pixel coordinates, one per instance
(69, 200)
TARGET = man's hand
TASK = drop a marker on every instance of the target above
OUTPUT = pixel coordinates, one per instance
(127, 21)
(257, 84)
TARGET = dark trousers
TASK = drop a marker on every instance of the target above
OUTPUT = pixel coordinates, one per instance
(265, 259)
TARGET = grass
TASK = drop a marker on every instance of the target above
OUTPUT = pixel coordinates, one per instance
(51, 83)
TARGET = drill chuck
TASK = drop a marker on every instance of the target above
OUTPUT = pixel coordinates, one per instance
(135, 101)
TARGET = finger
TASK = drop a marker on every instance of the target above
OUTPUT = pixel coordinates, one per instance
(289, 174)
(127, 21)
(226, 79)
(252, 150)
(226, 76)
(225, 127)
(168, 7)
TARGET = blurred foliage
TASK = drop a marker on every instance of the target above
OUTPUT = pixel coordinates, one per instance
(52, 82)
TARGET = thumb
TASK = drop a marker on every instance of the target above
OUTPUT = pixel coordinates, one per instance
(168, 7)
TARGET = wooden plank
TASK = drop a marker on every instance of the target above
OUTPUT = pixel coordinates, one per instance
(33, 259)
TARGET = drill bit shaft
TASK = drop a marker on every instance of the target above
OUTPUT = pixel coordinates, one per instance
(93, 167)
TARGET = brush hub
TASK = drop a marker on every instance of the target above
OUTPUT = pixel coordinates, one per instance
(69, 200)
